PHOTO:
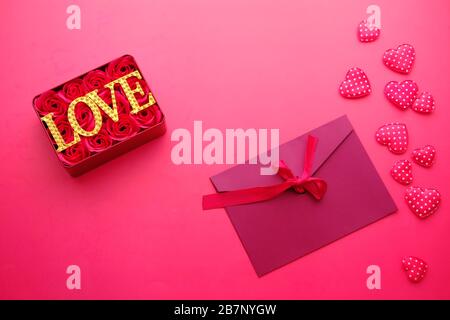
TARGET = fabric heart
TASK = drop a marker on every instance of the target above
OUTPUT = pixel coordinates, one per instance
(394, 136)
(423, 202)
(402, 94)
(400, 59)
(424, 156)
(402, 172)
(424, 103)
(366, 34)
(355, 85)
(415, 268)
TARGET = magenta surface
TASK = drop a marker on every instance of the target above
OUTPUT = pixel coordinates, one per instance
(135, 224)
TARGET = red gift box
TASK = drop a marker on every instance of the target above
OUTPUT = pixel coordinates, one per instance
(100, 115)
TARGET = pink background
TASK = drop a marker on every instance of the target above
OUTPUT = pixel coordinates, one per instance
(135, 225)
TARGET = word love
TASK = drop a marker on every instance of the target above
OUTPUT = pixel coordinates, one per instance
(95, 103)
(228, 148)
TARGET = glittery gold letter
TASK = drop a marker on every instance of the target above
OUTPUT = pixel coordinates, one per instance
(110, 111)
(130, 92)
(62, 145)
(74, 122)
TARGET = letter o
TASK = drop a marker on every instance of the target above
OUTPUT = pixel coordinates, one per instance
(95, 111)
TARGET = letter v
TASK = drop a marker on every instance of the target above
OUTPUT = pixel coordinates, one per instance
(110, 111)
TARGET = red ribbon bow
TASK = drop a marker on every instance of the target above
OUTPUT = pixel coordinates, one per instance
(305, 183)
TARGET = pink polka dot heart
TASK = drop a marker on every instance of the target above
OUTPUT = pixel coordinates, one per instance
(424, 103)
(402, 172)
(355, 85)
(423, 202)
(415, 268)
(394, 136)
(366, 34)
(402, 94)
(424, 156)
(401, 59)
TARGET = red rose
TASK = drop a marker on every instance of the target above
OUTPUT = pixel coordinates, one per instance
(99, 142)
(149, 116)
(95, 79)
(64, 128)
(122, 129)
(50, 101)
(74, 154)
(121, 67)
(73, 89)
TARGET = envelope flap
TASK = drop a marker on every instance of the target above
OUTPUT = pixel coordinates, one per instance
(330, 136)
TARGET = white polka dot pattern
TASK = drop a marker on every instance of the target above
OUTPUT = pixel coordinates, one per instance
(415, 268)
(424, 156)
(366, 34)
(394, 136)
(424, 103)
(402, 172)
(355, 85)
(402, 94)
(401, 59)
(423, 202)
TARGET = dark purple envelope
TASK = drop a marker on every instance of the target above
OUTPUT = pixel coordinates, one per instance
(283, 229)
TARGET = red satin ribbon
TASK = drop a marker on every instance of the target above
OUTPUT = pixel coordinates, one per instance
(315, 186)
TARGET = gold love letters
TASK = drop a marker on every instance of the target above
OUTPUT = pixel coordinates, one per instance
(95, 103)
